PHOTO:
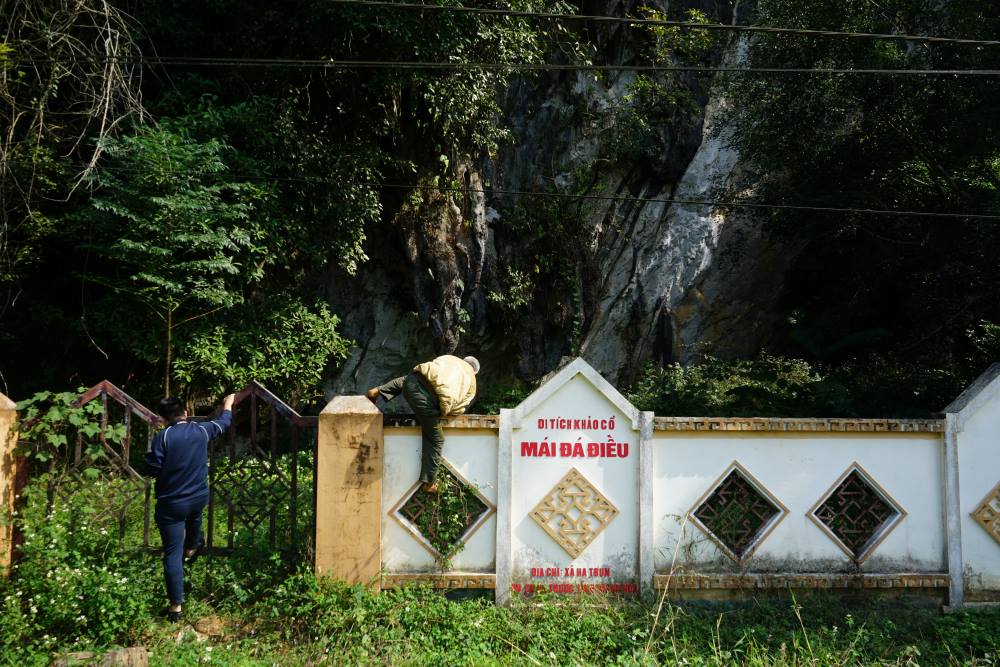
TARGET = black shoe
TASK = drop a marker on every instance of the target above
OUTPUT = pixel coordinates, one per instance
(171, 616)
(195, 553)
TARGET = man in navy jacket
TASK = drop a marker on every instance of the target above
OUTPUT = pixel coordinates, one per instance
(178, 459)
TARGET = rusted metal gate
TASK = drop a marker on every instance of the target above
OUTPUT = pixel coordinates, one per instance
(262, 476)
(121, 480)
(261, 473)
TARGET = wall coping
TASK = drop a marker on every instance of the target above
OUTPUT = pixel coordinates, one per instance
(798, 424)
(836, 425)
(978, 386)
(462, 421)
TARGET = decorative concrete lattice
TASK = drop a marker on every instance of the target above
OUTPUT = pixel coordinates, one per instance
(574, 513)
(444, 521)
(738, 513)
(857, 513)
(987, 514)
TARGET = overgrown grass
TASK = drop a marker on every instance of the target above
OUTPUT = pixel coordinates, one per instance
(78, 587)
(302, 622)
(272, 615)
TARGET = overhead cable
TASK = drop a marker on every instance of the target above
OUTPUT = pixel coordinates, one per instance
(666, 23)
(715, 203)
(459, 65)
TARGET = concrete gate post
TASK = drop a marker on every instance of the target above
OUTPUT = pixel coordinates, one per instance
(8, 480)
(349, 457)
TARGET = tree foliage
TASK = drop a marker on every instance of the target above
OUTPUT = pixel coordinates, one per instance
(251, 190)
(287, 165)
(285, 345)
(769, 386)
(902, 285)
(183, 240)
(65, 79)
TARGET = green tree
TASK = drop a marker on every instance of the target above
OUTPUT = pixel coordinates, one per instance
(868, 287)
(182, 239)
(281, 343)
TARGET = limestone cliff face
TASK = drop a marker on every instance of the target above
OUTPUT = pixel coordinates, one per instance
(421, 290)
(638, 279)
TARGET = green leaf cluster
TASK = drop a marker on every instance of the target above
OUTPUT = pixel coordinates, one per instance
(284, 346)
(769, 386)
(51, 424)
(179, 232)
(446, 515)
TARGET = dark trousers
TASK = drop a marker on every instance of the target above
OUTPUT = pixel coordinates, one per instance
(426, 407)
(180, 529)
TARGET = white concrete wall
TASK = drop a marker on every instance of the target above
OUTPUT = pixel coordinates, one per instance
(979, 473)
(473, 453)
(799, 469)
(679, 466)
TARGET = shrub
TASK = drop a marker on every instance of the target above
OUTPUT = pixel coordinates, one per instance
(496, 396)
(73, 582)
(768, 386)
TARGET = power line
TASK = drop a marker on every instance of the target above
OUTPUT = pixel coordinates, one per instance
(702, 202)
(716, 203)
(667, 23)
(459, 66)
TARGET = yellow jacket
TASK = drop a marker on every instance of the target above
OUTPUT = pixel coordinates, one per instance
(453, 381)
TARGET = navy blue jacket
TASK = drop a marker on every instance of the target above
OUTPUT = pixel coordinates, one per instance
(178, 458)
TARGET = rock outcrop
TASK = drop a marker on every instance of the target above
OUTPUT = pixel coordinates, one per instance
(642, 277)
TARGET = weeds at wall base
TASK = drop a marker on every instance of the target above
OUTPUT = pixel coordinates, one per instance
(84, 589)
(305, 621)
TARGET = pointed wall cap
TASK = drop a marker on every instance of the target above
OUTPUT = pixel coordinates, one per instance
(576, 367)
(7, 404)
(985, 385)
(350, 405)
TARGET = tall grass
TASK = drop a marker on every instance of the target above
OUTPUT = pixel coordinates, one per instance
(78, 586)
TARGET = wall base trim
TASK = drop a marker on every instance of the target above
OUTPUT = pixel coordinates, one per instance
(452, 580)
(799, 581)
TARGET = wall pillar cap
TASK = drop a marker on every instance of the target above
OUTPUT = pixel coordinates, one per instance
(350, 405)
(6, 404)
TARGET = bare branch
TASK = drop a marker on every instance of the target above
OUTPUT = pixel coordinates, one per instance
(70, 81)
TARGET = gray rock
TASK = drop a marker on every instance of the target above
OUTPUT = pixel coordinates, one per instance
(134, 656)
(649, 279)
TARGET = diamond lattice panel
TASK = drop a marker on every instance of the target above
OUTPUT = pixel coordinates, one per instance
(857, 513)
(738, 513)
(987, 514)
(443, 522)
(574, 513)
(254, 488)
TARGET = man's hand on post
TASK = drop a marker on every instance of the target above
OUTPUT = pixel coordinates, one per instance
(227, 402)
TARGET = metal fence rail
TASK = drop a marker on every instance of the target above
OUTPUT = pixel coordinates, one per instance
(261, 473)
